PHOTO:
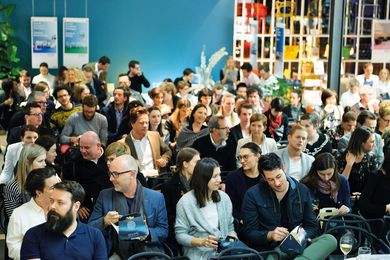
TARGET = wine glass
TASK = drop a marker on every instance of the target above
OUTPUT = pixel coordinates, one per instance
(346, 243)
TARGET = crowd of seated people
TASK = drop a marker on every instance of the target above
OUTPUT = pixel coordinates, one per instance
(80, 158)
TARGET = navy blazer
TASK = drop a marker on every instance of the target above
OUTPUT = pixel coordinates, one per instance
(235, 135)
(155, 211)
(109, 113)
(236, 188)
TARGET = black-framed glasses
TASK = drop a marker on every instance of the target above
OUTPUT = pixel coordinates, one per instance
(116, 174)
(223, 128)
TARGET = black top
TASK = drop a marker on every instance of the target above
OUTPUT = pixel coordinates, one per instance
(322, 145)
(138, 81)
(251, 181)
(283, 211)
(281, 132)
(326, 201)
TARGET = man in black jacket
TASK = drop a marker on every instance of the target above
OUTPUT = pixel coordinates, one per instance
(277, 205)
(214, 145)
(241, 130)
(95, 85)
(136, 76)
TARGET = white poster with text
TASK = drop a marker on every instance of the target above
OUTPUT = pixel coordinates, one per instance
(44, 41)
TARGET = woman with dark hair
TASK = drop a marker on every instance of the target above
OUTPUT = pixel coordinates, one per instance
(332, 113)
(328, 188)
(157, 96)
(195, 129)
(9, 102)
(240, 180)
(205, 96)
(317, 142)
(357, 163)
(177, 120)
(204, 214)
(347, 125)
(50, 144)
(61, 76)
(179, 184)
(277, 121)
(375, 198)
(156, 123)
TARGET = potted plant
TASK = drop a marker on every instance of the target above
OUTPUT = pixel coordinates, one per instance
(8, 48)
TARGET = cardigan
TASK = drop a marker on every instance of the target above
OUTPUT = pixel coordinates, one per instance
(190, 223)
(306, 161)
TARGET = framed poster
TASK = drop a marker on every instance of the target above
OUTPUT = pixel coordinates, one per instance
(75, 41)
(44, 41)
(279, 59)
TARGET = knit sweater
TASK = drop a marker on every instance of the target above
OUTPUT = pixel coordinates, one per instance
(190, 222)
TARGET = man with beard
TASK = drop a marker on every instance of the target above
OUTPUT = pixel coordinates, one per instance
(86, 120)
(62, 236)
(129, 196)
(214, 145)
(39, 185)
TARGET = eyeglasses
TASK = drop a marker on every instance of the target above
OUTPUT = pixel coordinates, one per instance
(36, 114)
(386, 121)
(244, 157)
(116, 174)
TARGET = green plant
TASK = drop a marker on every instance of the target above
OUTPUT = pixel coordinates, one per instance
(8, 47)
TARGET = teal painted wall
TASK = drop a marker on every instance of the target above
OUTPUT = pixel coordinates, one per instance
(166, 36)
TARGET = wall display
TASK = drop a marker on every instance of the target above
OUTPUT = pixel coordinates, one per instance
(381, 41)
(75, 41)
(44, 41)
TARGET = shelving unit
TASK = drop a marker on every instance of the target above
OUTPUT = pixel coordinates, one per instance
(306, 29)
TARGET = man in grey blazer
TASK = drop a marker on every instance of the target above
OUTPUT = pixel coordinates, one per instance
(296, 162)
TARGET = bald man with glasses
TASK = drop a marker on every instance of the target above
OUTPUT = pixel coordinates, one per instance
(128, 196)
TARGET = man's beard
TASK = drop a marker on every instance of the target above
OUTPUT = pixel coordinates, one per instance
(58, 223)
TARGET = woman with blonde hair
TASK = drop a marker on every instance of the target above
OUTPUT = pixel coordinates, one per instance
(169, 91)
(384, 117)
(383, 86)
(229, 75)
(177, 120)
(31, 157)
(227, 110)
(74, 76)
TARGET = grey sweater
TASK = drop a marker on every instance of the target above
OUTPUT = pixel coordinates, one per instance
(306, 162)
(190, 222)
(77, 125)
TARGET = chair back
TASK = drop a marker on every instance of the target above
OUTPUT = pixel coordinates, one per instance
(148, 255)
(239, 253)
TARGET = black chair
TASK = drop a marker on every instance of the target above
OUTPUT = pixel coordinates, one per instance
(239, 253)
(156, 182)
(147, 255)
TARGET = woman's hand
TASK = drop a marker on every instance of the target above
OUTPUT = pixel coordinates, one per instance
(211, 242)
(343, 209)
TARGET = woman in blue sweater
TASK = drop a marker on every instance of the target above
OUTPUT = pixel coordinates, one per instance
(328, 188)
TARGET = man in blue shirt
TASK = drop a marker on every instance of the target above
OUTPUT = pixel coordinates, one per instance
(62, 236)
(129, 196)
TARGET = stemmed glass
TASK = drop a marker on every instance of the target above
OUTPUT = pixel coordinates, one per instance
(346, 243)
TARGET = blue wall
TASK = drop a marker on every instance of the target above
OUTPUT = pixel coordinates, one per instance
(166, 36)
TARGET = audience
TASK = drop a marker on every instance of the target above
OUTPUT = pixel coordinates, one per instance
(374, 201)
(136, 76)
(44, 75)
(255, 97)
(240, 180)
(229, 75)
(226, 109)
(347, 125)
(368, 78)
(39, 185)
(383, 117)
(277, 121)
(297, 163)
(205, 97)
(31, 157)
(157, 124)
(294, 110)
(177, 120)
(86, 120)
(277, 205)
(257, 136)
(357, 163)
(62, 234)
(328, 188)
(383, 86)
(241, 130)
(128, 196)
(146, 146)
(317, 142)
(195, 129)
(351, 96)
(248, 76)
(214, 145)
(28, 135)
(204, 215)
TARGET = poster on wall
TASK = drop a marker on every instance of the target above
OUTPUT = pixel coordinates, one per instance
(279, 59)
(381, 41)
(44, 41)
(75, 41)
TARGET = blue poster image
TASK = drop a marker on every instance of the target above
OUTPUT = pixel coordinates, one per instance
(44, 37)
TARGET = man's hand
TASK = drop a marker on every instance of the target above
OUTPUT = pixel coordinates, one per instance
(343, 209)
(278, 234)
(84, 213)
(161, 162)
(111, 217)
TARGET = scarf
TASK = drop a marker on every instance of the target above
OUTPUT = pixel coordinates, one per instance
(274, 123)
(328, 187)
(185, 184)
